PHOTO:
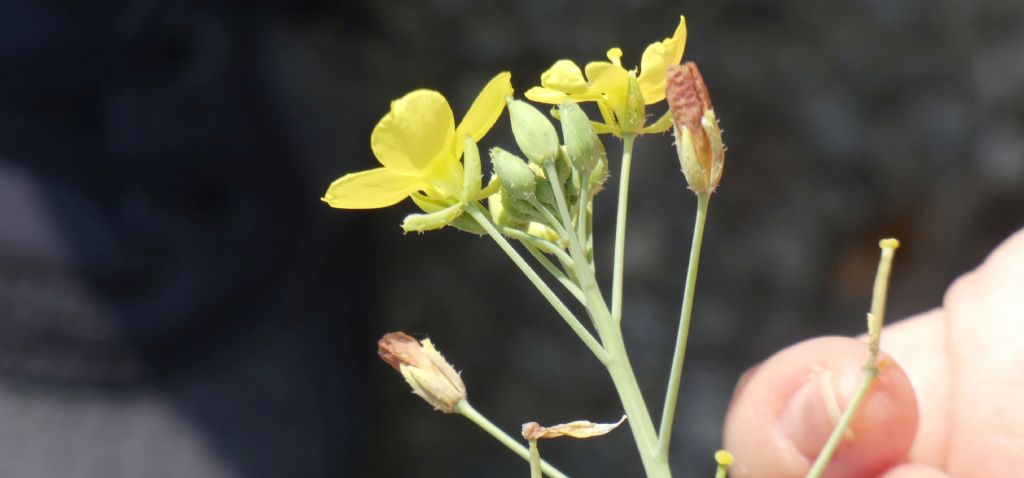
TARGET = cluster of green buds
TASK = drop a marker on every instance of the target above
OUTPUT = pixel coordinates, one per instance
(578, 167)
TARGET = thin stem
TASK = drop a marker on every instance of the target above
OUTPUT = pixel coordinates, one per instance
(465, 409)
(477, 213)
(557, 273)
(620, 227)
(581, 217)
(568, 232)
(562, 229)
(875, 320)
(632, 399)
(539, 243)
(590, 235)
(535, 471)
(675, 375)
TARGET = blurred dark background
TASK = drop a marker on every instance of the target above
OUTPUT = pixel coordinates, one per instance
(176, 301)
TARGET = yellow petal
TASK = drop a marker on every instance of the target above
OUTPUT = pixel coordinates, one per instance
(661, 125)
(545, 95)
(611, 81)
(564, 76)
(418, 130)
(486, 109)
(370, 189)
(656, 59)
(602, 128)
(615, 56)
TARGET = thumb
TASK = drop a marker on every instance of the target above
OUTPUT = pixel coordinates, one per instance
(784, 410)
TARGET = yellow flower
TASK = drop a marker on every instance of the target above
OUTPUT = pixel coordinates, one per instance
(418, 147)
(609, 84)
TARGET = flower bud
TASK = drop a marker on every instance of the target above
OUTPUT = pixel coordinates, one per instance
(534, 133)
(515, 175)
(424, 369)
(580, 139)
(698, 137)
(633, 119)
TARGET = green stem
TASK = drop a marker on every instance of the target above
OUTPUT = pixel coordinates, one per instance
(875, 320)
(539, 243)
(632, 399)
(477, 213)
(557, 273)
(465, 409)
(837, 434)
(620, 227)
(535, 462)
(617, 362)
(722, 471)
(567, 231)
(624, 380)
(679, 356)
(581, 217)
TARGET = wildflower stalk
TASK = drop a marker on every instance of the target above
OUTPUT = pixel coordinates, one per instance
(721, 471)
(535, 462)
(481, 218)
(875, 320)
(679, 356)
(620, 227)
(467, 410)
(616, 358)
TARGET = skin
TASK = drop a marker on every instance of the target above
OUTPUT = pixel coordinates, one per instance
(948, 402)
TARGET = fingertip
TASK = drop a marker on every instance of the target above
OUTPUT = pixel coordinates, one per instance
(914, 471)
(784, 413)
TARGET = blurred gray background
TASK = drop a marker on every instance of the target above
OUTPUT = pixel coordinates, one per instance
(175, 300)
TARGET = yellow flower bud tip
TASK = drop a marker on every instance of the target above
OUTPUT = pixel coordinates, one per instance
(424, 369)
(889, 243)
(723, 458)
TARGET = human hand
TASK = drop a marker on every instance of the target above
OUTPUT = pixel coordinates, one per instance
(948, 400)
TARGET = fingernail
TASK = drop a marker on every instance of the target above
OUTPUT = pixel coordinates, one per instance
(813, 411)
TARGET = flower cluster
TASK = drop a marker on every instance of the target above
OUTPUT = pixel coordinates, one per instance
(424, 156)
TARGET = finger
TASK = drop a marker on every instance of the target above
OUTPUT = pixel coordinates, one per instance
(779, 421)
(985, 319)
(918, 344)
(914, 471)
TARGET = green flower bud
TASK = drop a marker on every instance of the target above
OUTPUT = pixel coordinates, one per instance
(579, 136)
(546, 195)
(516, 177)
(509, 212)
(431, 221)
(534, 133)
(636, 111)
